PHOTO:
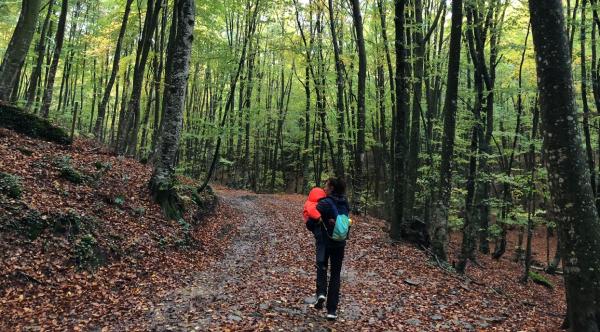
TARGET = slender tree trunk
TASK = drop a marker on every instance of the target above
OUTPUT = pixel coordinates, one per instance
(399, 121)
(58, 43)
(438, 229)
(41, 50)
(415, 124)
(129, 127)
(569, 176)
(113, 75)
(339, 70)
(584, 100)
(359, 155)
(229, 104)
(531, 194)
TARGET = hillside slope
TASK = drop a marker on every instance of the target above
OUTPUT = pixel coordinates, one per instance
(83, 245)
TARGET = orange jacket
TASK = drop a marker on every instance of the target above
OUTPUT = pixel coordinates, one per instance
(310, 206)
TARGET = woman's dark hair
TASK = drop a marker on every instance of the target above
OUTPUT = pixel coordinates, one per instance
(338, 185)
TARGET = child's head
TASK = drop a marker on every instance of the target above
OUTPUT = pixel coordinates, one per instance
(316, 194)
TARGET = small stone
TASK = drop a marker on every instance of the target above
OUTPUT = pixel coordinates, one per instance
(234, 318)
(483, 325)
(468, 326)
(437, 317)
(412, 282)
(413, 321)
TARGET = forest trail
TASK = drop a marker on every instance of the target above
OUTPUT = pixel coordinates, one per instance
(266, 275)
(259, 279)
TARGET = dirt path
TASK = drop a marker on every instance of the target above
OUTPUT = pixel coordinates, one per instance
(267, 273)
(255, 285)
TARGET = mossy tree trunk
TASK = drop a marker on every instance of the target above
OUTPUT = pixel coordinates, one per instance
(18, 47)
(569, 174)
(177, 74)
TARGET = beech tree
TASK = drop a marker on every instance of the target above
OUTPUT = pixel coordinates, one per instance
(51, 74)
(438, 228)
(18, 47)
(570, 183)
(176, 77)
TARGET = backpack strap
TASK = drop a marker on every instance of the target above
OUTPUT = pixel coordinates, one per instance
(335, 211)
(333, 206)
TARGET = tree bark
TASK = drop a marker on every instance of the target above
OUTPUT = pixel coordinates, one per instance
(359, 155)
(569, 175)
(113, 75)
(129, 127)
(438, 228)
(399, 121)
(176, 77)
(15, 54)
(41, 50)
(339, 70)
(58, 43)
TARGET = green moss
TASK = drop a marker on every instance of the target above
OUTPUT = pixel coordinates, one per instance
(87, 253)
(540, 280)
(72, 223)
(68, 172)
(32, 224)
(206, 202)
(71, 175)
(10, 185)
(14, 118)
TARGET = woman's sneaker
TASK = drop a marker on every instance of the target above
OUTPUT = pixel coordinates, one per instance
(319, 302)
(331, 315)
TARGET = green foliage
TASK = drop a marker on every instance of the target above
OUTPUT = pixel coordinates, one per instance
(32, 224)
(72, 223)
(186, 240)
(87, 253)
(540, 280)
(10, 185)
(119, 200)
(102, 165)
(67, 171)
(71, 175)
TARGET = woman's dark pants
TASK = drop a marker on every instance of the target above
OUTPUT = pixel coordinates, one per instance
(329, 256)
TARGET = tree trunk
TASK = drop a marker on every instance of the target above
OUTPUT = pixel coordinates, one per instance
(129, 127)
(58, 43)
(570, 185)
(15, 54)
(176, 77)
(399, 120)
(41, 50)
(359, 155)
(113, 75)
(438, 228)
(584, 100)
(339, 70)
(415, 122)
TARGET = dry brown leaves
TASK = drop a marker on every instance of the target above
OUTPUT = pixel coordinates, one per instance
(256, 281)
(40, 286)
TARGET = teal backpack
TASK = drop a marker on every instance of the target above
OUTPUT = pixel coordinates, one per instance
(342, 224)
